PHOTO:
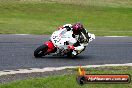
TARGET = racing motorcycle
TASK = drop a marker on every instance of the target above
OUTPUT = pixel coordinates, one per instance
(58, 44)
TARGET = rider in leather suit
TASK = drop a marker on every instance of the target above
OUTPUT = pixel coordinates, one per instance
(81, 35)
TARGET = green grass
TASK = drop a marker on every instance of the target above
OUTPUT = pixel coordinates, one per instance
(35, 17)
(69, 81)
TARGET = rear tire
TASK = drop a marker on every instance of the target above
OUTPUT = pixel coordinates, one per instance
(70, 55)
(40, 51)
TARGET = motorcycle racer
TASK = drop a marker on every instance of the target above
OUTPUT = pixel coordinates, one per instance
(69, 40)
(81, 35)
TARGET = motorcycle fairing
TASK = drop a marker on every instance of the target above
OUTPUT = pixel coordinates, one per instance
(50, 45)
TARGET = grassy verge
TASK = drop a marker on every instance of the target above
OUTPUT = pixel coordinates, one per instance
(34, 17)
(69, 81)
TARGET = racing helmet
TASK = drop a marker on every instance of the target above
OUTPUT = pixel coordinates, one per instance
(77, 27)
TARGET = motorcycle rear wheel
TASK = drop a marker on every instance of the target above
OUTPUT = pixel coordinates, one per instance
(40, 51)
(70, 55)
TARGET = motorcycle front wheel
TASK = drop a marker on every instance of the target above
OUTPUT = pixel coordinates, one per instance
(40, 51)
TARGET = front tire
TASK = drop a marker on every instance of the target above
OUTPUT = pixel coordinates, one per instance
(40, 51)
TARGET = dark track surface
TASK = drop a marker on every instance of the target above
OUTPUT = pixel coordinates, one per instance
(16, 52)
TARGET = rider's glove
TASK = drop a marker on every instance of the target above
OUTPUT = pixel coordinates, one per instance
(71, 47)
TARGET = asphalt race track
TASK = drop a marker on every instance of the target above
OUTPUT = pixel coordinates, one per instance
(16, 52)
